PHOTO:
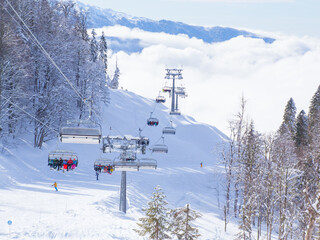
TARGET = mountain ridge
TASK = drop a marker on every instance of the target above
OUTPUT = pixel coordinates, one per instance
(99, 17)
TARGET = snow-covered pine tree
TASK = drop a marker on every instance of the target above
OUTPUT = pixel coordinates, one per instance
(182, 219)
(115, 80)
(302, 135)
(289, 116)
(103, 48)
(114, 84)
(155, 224)
(94, 47)
(80, 26)
(314, 112)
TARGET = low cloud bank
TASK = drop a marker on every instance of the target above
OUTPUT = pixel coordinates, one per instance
(217, 75)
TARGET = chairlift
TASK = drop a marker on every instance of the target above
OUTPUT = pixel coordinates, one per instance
(147, 163)
(181, 91)
(86, 135)
(169, 130)
(128, 156)
(167, 89)
(160, 99)
(80, 135)
(160, 148)
(62, 160)
(104, 165)
(152, 121)
(142, 143)
(121, 143)
(126, 165)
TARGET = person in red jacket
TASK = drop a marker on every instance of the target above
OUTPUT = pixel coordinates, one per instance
(69, 163)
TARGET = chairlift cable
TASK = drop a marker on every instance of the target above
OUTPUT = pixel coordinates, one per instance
(44, 124)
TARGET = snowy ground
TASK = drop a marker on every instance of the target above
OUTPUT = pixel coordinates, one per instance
(84, 208)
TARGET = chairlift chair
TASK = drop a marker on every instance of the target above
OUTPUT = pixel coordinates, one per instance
(167, 89)
(152, 121)
(143, 141)
(147, 163)
(80, 135)
(181, 91)
(128, 156)
(169, 130)
(103, 165)
(59, 159)
(126, 165)
(160, 99)
(160, 148)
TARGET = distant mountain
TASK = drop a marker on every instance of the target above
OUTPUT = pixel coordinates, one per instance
(99, 17)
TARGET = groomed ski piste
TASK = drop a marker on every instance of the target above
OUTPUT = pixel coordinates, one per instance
(85, 208)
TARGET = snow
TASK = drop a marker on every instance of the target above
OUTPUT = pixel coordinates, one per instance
(84, 208)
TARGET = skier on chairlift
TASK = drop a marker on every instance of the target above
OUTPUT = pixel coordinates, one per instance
(69, 163)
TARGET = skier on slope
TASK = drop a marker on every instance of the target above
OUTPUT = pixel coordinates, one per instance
(55, 186)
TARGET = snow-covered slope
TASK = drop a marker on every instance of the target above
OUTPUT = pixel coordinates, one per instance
(84, 208)
(98, 18)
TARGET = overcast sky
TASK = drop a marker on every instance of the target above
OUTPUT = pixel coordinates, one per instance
(294, 17)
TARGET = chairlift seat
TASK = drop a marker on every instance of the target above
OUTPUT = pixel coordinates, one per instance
(147, 163)
(60, 158)
(169, 130)
(153, 121)
(103, 162)
(61, 154)
(160, 148)
(80, 135)
(128, 156)
(160, 99)
(126, 165)
(166, 89)
(104, 165)
(144, 141)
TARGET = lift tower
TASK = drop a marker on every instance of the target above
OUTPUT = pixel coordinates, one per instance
(129, 147)
(174, 74)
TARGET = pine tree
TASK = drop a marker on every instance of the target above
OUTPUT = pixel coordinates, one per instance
(289, 117)
(103, 48)
(181, 220)
(302, 136)
(114, 84)
(155, 225)
(94, 46)
(314, 111)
